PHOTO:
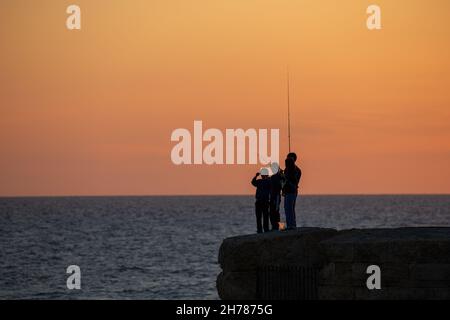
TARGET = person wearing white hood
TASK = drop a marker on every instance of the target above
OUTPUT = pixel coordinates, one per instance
(276, 181)
(263, 187)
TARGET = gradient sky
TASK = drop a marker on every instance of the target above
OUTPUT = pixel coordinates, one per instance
(91, 112)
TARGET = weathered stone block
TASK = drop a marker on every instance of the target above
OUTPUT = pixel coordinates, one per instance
(371, 251)
(342, 274)
(291, 247)
(430, 275)
(414, 263)
(237, 285)
(362, 293)
(412, 293)
(394, 275)
(327, 274)
(337, 251)
(336, 293)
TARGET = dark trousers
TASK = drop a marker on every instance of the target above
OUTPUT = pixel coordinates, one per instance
(289, 209)
(262, 213)
(274, 211)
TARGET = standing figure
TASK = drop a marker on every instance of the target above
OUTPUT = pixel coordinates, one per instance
(262, 196)
(275, 195)
(292, 175)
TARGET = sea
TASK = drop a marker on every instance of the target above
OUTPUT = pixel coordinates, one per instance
(161, 247)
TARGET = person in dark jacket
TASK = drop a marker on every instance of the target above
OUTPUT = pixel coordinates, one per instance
(263, 187)
(292, 176)
(275, 195)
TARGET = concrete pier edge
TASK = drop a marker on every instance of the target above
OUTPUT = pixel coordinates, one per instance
(326, 264)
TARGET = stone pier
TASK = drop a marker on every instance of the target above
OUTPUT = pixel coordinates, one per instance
(317, 263)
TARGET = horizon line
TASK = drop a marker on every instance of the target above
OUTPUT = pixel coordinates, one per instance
(213, 195)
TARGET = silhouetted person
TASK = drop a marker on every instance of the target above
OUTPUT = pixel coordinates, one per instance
(292, 176)
(275, 196)
(263, 187)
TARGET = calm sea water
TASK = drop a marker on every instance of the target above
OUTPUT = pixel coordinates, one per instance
(160, 247)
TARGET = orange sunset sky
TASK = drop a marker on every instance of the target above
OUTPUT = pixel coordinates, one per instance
(91, 112)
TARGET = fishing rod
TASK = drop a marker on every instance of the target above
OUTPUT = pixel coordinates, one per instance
(288, 112)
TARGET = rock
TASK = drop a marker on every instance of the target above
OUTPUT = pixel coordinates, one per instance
(237, 285)
(390, 245)
(316, 263)
(249, 252)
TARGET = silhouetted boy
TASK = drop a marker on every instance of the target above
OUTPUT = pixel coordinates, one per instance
(262, 196)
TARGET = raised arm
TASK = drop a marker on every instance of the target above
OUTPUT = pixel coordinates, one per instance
(254, 180)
